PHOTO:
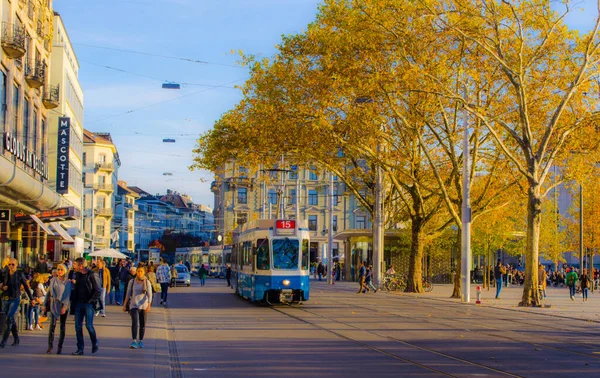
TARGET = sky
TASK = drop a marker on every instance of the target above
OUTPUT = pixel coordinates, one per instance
(122, 90)
(199, 30)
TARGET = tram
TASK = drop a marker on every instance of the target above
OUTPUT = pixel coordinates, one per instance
(270, 261)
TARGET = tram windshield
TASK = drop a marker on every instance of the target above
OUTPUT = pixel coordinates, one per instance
(286, 253)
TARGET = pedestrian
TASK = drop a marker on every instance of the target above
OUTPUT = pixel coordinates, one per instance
(114, 282)
(11, 298)
(151, 275)
(105, 284)
(571, 281)
(499, 271)
(41, 266)
(228, 275)
(86, 294)
(391, 271)
(163, 276)
(123, 278)
(586, 282)
(174, 276)
(138, 301)
(39, 298)
(202, 273)
(369, 279)
(320, 270)
(57, 303)
(362, 273)
(542, 278)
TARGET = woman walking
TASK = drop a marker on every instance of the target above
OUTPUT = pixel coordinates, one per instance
(137, 300)
(39, 296)
(57, 302)
(585, 282)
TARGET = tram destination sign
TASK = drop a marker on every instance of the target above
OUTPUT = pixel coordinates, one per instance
(285, 227)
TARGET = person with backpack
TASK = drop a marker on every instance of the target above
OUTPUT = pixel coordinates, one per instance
(571, 281)
(138, 300)
(499, 271)
(586, 283)
(85, 297)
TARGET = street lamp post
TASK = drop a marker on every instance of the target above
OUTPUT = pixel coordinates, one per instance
(466, 219)
(330, 233)
(580, 229)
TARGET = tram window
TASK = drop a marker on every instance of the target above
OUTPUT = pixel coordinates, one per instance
(247, 253)
(234, 254)
(262, 254)
(285, 253)
(305, 254)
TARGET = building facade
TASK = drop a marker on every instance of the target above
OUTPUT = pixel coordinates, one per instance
(196, 220)
(29, 202)
(124, 218)
(100, 171)
(65, 127)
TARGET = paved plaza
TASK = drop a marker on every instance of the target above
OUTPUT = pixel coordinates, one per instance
(209, 332)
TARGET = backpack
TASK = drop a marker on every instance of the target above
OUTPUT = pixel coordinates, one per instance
(570, 279)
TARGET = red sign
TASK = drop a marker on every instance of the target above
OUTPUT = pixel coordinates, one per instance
(285, 224)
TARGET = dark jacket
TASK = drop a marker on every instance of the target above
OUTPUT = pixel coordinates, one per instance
(41, 267)
(14, 283)
(124, 274)
(499, 270)
(92, 288)
(114, 275)
(228, 273)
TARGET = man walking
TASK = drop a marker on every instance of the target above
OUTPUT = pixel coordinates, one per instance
(499, 271)
(228, 275)
(114, 283)
(123, 279)
(163, 277)
(572, 279)
(320, 270)
(86, 293)
(362, 275)
(105, 284)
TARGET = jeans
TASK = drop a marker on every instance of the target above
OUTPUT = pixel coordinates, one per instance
(498, 287)
(63, 327)
(319, 276)
(84, 310)
(10, 307)
(103, 300)
(34, 315)
(202, 281)
(121, 293)
(27, 310)
(137, 314)
(572, 290)
(370, 285)
(164, 288)
(112, 296)
(585, 292)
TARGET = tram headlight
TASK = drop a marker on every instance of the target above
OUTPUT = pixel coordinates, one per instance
(286, 282)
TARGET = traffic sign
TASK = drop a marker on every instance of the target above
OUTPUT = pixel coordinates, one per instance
(4, 215)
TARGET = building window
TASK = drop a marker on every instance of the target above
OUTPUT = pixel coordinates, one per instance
(242, 195)
(334, 221)
(243, 172)
(84, 158)
(312, 222)
(313, 197)
(312, 174)
(100, 229)
(272, 196)
(15, 108)
(34, 128)
(361, 222)
(26, 130)
(336, 197)
(101, 203)
(101, 158)
(44, 138)
(242, 218)
(293, 175)
(2, 99)
(292, 196)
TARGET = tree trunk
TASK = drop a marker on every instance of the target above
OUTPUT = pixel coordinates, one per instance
(531, 296)
(414, 282)
(456, 293)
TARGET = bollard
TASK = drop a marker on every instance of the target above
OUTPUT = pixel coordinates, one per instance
(478, 301)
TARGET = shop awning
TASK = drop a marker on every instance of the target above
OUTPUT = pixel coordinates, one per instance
(61, 231)
(41, 224)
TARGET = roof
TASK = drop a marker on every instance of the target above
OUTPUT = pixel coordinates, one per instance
(139, 191)
(91, 137)
(127, 191)
(176, 200)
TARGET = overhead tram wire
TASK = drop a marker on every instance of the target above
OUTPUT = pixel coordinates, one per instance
(152, 77)
(160, 55)
(160, 102)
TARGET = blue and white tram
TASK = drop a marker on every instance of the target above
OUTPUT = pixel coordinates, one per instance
(270, 261)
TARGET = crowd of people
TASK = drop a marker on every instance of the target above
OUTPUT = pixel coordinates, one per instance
(80, 288)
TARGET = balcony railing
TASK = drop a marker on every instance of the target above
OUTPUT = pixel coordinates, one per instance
(130, 206)
(104, 211)
(104, 187)
(31, 9)
(105, 166)
(13, 40)
(35, 73)
(104, 241)
(51, 96)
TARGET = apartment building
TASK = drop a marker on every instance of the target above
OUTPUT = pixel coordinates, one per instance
(31, 210)
(100, 171)
(124, 217)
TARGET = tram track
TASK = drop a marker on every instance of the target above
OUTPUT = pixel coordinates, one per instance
(479, 328)
(390, 338)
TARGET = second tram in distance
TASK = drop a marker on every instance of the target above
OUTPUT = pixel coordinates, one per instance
(270, 261)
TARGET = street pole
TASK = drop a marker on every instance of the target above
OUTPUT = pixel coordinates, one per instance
(330, 232)
(297, 199)
(580, 229)
(466, 218)
(378, 229)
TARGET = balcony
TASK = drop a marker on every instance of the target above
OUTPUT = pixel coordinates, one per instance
(103, 241)
(105, 166)
(35, 73)
(104, 211)
(130, 206)
(51, 96)
(243, 182)
(13, 40)
(100, 187)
